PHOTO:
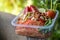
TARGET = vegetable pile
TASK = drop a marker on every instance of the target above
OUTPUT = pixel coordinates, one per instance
(33, 16)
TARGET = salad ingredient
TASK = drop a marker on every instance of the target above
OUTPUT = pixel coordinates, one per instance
(26, 10)
(30, 8)
(33, 8)
(42, 22)
(50, 14)
(48, 22)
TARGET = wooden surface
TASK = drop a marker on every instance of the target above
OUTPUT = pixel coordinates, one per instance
(6, 29)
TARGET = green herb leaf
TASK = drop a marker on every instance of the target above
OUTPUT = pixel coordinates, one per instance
(48, 22)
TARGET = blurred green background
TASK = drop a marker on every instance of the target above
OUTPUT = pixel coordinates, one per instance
(15, 6)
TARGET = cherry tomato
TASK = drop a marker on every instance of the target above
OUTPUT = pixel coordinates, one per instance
(50, 14)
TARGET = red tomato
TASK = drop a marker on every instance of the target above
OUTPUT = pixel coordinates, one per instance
(50, 14)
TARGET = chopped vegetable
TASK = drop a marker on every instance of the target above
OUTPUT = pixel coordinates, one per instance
(50, 14)
(48, 22)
